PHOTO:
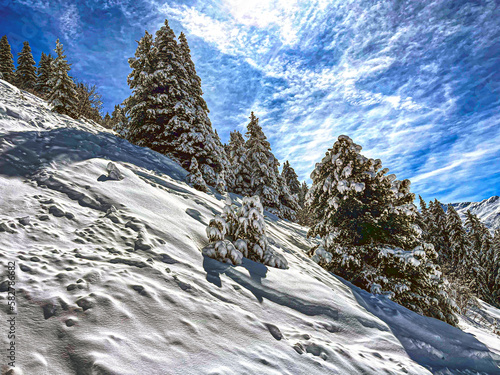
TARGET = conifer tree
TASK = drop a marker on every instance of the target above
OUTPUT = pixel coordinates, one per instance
(26, 69)
(44, 75)
(261, 167)
(106, 121)
(291, 178)
(235, 151)
(120, 121)
(457, 235)
(475, 232)
(144, 127)
(436, 230)
(63, 96)
(6, 61)
(367, 222)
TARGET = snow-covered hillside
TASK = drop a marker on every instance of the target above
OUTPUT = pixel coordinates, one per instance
(111, 278)
(487, 210)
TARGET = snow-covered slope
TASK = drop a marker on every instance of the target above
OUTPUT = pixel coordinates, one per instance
(487, 210)
(111, 279)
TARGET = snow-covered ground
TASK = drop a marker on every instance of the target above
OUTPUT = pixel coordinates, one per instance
(111, 279)
(487, 210)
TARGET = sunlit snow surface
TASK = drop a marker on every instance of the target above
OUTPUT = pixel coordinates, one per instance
(126, 290)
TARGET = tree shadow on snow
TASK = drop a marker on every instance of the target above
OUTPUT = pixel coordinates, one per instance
(253, 283)
(430, 342)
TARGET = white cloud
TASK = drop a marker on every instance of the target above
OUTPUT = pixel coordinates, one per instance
(70, 22)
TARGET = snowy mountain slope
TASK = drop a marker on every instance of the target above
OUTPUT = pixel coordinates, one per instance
(487, 210)
(111, 280)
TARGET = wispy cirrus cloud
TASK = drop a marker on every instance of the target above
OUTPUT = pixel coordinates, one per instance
(400, 78)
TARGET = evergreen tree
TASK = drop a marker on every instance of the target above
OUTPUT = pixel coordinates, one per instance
(199, 138)
(235, 151)
(26, 69)
(144, 128)
(367, 221)
(291, 178)
(6, 61)
(261, 168)
(475, 233)
(436, 230)
(303, 193)
(119, 121)
(44, 75)
(194, 81)
(63, 96)
(289, 203)
(175, 123)
(106, 121)
(459, 244)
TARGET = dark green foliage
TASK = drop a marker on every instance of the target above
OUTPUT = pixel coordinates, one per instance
(368, 224)
(44, 74)
(291, 178)
(63, 96)
(6, 61)
(26, 69)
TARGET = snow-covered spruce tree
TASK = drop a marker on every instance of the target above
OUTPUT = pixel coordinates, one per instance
(367, 221)
(459, 243)
(260, 173)
(241, 232)
(210, 151)
(289, 203)
(141, 105)
(436, 230)
(6, 61)
(303, 216)
(475, 233)
(44, 73)
(63, 96)
(26, 69)
(238, 182)
(120, 121)
(195, 177)
(457, 267)
(291, 178)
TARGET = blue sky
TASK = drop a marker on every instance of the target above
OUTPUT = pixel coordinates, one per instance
(417, 84)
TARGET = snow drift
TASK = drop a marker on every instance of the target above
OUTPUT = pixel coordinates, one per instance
(111, 279)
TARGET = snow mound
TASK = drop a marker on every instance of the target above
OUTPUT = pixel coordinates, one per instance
(110, 277)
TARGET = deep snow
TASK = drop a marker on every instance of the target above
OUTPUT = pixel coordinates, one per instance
(111, 278)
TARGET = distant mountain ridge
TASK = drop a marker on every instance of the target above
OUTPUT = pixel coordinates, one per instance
(487, 210)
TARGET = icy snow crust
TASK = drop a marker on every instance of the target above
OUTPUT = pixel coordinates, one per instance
(111, 278)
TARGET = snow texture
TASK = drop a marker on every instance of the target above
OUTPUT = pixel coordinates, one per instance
(118, 284)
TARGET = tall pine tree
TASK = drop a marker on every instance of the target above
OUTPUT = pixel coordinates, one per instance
(6, 61)
(140, 106)
(291, 178)
(26, 69)
(236, 154)
(44, 74)
(63, 96)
